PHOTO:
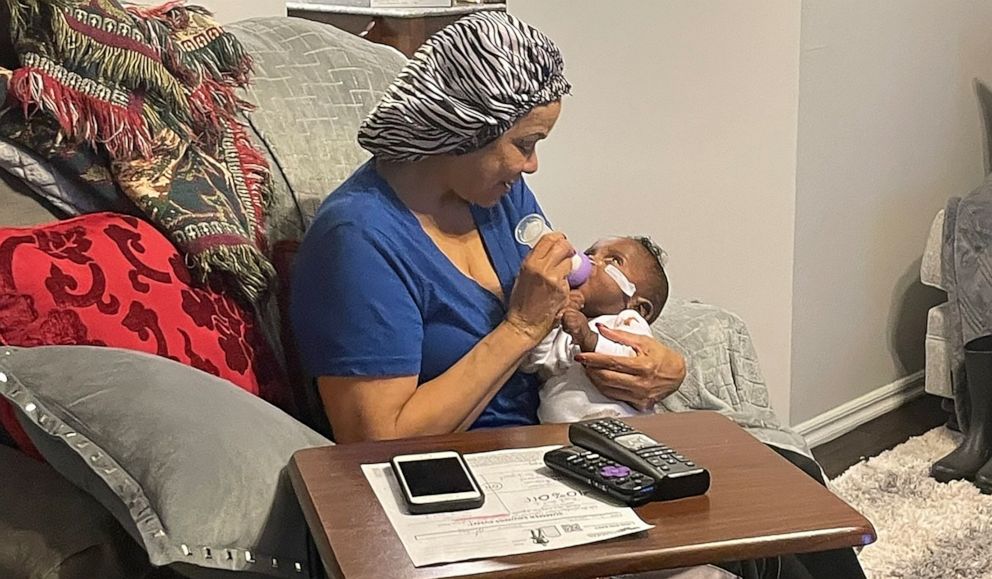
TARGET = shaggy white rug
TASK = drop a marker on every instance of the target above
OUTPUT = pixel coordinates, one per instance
(926, 530)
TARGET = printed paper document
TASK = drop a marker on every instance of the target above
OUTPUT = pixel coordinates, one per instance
(528, 508)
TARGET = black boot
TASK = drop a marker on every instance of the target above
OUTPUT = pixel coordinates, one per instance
(983, 479)
(976, 448)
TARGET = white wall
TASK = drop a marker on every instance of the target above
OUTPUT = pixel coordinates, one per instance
(231, 10)
(682, 125)
(888, 129)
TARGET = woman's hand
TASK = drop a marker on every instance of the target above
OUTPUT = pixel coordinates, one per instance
(654, 372)
(541, 290)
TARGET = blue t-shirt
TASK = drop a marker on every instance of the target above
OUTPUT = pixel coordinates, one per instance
(372, 295)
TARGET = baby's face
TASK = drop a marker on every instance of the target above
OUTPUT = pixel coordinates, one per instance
(601, 293)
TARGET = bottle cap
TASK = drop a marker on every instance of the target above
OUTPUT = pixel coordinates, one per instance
(530, 229)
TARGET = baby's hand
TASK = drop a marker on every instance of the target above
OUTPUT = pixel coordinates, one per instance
(576, 300)
(576, 324)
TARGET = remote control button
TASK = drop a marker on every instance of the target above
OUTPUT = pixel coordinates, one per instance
(665, 467)
(690, 463)
(656, 461)
(614, 471)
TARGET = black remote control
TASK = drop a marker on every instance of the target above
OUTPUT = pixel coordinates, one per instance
(675, 475)
(620, 482)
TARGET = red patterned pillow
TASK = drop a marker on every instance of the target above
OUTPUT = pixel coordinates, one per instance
(112, 280)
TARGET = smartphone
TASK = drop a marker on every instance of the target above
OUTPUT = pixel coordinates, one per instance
(435, 482)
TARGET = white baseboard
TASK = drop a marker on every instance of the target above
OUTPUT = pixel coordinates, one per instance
(848, 416)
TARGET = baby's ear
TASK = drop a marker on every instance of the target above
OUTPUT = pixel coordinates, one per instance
(642, 306)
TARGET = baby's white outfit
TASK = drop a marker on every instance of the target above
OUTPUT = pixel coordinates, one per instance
(567, 394)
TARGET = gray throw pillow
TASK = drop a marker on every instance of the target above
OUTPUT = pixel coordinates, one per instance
(192, 466)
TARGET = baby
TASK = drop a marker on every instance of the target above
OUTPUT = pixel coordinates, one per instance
(626, 291)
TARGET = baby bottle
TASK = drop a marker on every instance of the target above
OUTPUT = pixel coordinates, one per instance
(533, 227)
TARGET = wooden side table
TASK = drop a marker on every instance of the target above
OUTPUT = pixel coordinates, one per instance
(402, 28)
(759, 505)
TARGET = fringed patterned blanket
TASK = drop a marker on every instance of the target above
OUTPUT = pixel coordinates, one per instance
(142, 99)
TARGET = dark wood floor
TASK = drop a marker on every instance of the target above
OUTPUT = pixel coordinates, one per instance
(886, 431)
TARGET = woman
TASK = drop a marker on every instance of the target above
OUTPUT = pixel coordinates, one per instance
(412, 303)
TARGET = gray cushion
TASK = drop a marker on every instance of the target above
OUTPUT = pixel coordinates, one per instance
(192, 466)
(20, 208)
(50, 528)
(55, 187)
(313, 86)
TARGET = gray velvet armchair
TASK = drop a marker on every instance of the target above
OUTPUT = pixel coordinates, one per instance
(939, 381)
(313, 85)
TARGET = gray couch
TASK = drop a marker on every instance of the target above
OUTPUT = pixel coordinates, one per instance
(939, 379)
(939, 357)
(313, 85)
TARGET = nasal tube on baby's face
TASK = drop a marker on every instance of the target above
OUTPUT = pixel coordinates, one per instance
(533, 227)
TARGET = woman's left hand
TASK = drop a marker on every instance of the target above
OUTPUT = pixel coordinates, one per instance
(653, 373)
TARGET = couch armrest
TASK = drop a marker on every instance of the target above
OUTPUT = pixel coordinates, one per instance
(722, 371)
(53, 529)
(930, 267)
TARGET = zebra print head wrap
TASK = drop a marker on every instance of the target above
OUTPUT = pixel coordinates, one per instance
(464, 88)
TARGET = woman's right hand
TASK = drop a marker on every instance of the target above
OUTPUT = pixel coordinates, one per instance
(541, 290)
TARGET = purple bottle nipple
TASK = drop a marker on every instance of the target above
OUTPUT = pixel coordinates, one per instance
(581, 269)
(533, 227)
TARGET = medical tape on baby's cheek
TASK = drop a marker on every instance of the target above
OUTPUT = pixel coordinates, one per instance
(626, 286)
